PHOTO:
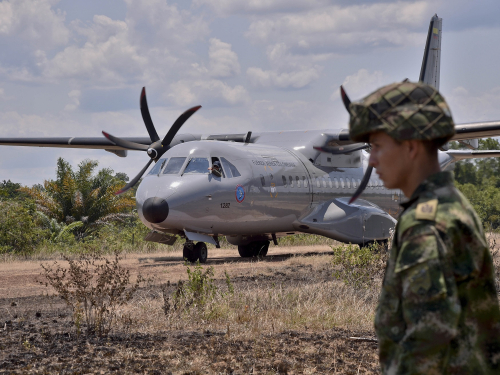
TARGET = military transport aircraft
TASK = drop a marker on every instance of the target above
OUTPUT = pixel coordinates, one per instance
(256, 187)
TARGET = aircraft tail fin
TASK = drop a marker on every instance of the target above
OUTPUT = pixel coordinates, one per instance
(431, 63)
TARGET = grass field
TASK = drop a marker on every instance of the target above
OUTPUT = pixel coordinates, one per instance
(285, 314)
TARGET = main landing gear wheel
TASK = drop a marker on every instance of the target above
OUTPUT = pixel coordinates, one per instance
(254, 249)
(201, 252)
(193, 252)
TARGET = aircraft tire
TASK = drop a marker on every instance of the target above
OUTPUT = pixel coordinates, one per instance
(188, 252)
(245, 251)
(201, 252)
(261, 249)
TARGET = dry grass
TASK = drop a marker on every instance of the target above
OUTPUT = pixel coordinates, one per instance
(300, 294)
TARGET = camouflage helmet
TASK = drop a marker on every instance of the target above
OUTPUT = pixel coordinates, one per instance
(404, 110)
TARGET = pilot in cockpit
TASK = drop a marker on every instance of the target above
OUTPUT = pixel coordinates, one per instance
(216, 168)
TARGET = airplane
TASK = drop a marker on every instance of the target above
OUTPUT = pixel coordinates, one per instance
(255, 187)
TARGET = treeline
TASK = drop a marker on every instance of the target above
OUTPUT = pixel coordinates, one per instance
(479, 181)
(78, 208)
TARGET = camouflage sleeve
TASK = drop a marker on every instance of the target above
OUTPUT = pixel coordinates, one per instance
(429, 302)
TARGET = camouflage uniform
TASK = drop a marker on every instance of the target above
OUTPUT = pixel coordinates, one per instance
(438, 312)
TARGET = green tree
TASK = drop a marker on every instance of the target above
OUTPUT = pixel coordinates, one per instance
(20, 231)
(10, 190)
(82, 195)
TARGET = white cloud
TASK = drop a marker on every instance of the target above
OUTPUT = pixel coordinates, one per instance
(157, 21)
(226, 7)
(361, 83)
(289, 71)
(34, 21)
(473, 107)
(106, 57)
(223, 60)
(192, 92)
(74, 95)
(295, 79)
(354, 26)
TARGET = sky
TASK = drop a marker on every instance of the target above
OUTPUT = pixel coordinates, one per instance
(75, 68)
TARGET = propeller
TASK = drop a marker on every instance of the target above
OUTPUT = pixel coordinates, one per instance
(157, 147)
(368, 172)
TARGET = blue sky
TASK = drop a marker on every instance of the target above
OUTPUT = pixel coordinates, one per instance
(74, 68)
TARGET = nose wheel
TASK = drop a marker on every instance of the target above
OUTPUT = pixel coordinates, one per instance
(194, 253)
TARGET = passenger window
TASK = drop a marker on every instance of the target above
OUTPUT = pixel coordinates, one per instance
(174, 165)
(304, 180)
(342, 183)
(318, 184)
(324, 182)
(354, 183)
(297, 180)
(336, 183)
(284, 180)
(262, 180)
(197, 166)
(290, 179)
(158, 166)
(231, 170)
(348, 183)
(330, 183)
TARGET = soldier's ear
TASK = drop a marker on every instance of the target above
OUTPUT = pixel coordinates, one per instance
(414, 148)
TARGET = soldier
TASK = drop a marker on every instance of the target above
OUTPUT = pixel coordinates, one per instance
(438, 311)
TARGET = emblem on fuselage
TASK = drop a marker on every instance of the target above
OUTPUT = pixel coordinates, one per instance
(239, 193)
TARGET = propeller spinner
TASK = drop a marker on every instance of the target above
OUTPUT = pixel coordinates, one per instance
(157, 147)
(368, 172)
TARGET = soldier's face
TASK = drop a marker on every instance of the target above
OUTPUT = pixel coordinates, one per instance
(391, 160)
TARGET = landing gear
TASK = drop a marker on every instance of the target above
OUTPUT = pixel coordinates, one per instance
(254, 249)
(193, 252)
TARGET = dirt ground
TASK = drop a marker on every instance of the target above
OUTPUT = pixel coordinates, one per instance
(38, 336)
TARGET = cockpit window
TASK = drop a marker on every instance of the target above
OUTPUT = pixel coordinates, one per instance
(158, 166)
(197, 165)
(174, 165)
(229, 168)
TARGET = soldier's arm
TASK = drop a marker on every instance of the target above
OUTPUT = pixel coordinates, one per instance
(430, 303)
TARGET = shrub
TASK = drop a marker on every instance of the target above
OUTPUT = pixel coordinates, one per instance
(94, 287)
(19, 232)
(359, 266)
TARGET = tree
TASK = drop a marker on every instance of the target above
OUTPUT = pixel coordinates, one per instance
(82, 196)
(19, 229)
(10, 190)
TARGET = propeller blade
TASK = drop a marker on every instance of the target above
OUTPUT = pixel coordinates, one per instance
(342, 149)
(177, 125)
(345, 98)
(147, 117)
(362, 185)
(126, 144)
(135, 180)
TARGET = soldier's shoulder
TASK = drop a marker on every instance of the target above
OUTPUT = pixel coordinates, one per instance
(441, 207)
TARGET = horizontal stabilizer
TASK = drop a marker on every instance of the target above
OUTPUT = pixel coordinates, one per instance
(473, 154)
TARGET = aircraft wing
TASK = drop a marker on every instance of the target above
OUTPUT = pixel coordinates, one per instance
(71, 142)
(477, 130)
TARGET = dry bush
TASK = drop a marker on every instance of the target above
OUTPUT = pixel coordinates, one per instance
(359, 266)
(252, 310)
(94, 287)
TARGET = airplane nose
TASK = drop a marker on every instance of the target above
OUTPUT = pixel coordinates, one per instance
(155, 210)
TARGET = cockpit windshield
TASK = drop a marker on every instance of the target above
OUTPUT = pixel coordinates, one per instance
(158, 166)
(197, 166)
(174, 165)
